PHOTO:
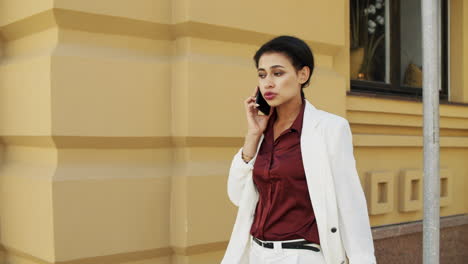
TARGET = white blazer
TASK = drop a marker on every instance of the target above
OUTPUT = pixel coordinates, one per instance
(334, 188)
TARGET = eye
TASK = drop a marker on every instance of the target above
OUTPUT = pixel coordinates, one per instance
(261, 75)
(278, 73)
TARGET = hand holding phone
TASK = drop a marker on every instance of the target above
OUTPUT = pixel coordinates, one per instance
(256, 122)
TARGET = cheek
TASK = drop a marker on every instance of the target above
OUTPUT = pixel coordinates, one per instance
(289, 84)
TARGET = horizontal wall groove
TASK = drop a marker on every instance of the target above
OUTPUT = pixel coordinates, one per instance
(368, 140)
(460, 116)
(374, 129)
(84, 142)
(403, 120)
(78, 142)
(105, 24)
(361, 104)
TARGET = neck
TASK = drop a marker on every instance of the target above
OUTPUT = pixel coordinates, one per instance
(288, 111)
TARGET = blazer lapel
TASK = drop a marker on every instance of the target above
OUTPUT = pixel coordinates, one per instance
(314, 158)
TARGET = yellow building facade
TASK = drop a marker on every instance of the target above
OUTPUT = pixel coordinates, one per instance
(119, 120)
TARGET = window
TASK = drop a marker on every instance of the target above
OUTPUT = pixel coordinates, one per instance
(386, 47)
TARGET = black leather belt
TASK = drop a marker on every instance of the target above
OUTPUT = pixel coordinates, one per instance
(294, 245)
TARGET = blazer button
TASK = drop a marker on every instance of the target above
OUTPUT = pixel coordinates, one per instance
(333, 229)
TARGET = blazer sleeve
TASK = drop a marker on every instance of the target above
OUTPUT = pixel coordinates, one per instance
(238, 175)
(354, 223)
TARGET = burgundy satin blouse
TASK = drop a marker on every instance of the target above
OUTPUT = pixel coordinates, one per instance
(284, 210)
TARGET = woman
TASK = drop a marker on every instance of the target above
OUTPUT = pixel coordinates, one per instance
(294, 180)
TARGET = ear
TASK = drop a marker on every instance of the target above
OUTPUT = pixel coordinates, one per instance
(304, 74)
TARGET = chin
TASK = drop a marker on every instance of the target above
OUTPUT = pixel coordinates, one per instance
(275, 102)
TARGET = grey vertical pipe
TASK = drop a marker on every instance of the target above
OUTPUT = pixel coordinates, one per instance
(431, 82)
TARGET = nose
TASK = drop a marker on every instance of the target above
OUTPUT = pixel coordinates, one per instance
(269, 83)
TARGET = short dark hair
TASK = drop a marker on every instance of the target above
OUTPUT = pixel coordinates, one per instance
(294, 48)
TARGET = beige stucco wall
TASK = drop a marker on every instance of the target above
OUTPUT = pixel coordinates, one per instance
(119, 119)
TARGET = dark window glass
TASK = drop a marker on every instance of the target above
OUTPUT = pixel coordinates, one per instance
(386, 47)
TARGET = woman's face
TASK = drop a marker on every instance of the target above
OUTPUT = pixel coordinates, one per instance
(277, 76)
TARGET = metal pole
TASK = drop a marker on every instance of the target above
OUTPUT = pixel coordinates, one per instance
(431, 82)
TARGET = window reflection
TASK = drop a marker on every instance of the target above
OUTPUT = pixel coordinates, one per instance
(369, 37)
(411, 43)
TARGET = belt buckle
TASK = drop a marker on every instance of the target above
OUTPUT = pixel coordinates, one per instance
(258, 241)
(263, 244)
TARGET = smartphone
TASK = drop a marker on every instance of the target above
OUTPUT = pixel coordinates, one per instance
(264, 107)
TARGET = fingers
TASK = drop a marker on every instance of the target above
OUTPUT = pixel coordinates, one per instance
(253, 97)
(249, 100)
(251, 105)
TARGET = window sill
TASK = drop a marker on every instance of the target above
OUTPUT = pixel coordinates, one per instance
(400, 97)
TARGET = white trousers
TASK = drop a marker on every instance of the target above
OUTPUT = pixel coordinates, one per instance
(279, 255)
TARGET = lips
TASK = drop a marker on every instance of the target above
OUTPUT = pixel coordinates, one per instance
(269, 95)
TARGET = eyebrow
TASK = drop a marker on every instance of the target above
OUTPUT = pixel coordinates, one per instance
(274, 66)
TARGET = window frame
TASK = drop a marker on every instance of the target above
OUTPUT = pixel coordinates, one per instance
(395, 87)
